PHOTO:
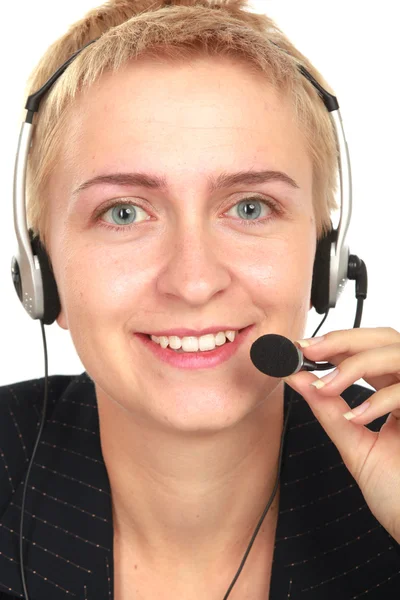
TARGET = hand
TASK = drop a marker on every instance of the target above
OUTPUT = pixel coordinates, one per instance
(373, 458)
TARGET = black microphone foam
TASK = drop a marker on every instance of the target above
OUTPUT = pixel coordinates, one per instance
(275, 355)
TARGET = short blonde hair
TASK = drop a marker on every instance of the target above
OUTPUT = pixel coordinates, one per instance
(177, 30)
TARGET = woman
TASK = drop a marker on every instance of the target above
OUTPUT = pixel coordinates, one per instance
(156, 463)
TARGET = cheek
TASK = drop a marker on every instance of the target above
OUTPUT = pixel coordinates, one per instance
(280, 272)
(95, 285)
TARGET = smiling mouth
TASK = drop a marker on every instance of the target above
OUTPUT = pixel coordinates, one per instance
(181, 351)
(198, 359)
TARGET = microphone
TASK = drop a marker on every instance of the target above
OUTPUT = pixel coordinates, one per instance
(276, 356)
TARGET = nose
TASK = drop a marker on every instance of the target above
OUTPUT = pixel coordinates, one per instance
(195, 266)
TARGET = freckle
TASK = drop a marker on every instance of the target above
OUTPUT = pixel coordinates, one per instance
(135, 566)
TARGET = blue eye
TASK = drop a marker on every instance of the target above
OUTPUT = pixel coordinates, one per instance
(249, 210)
(124, 214)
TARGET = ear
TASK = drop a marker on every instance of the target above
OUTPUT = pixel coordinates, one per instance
(310, 305)
(62, 320)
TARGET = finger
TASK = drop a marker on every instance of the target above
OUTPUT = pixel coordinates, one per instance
(386, 401)
(381, 362)
(350, 341)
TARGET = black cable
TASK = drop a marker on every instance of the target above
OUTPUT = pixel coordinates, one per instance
(320, 325)
(266, 508)
(21, 537)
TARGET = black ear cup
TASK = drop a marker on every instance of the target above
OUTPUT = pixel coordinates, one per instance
(51, 298)
(321, 273)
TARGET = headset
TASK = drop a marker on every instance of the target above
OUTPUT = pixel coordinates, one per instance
(36, 287)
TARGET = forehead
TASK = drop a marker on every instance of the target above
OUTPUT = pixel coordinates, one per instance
(193, 117)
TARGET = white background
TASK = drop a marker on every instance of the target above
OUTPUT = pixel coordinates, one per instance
(354, 46)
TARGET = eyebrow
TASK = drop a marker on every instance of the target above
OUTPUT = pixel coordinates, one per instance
(222, 181)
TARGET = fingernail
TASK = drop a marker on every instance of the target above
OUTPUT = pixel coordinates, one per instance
(356, 411)
(319, 383)
(310, 341)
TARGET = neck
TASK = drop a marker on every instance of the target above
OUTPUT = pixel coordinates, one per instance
(193, 496)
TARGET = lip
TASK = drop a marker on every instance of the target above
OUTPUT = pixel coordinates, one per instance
(195, 360)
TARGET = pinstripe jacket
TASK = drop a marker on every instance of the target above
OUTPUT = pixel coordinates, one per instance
(328, 544)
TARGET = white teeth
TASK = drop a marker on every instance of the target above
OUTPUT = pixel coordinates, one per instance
(230, 335)
(190, 344)
(220, 338)
(207, 342)
(194, 344)
(163, 341)
(175, 342)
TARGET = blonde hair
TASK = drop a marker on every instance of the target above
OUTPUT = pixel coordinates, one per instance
(177, 30)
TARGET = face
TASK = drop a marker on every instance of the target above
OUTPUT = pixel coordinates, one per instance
(186, 256)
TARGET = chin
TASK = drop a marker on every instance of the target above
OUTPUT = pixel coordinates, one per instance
(204, 413)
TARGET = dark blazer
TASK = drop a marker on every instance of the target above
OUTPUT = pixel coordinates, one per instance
(328, 544)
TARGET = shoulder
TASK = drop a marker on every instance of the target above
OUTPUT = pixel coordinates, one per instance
(21, 406)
